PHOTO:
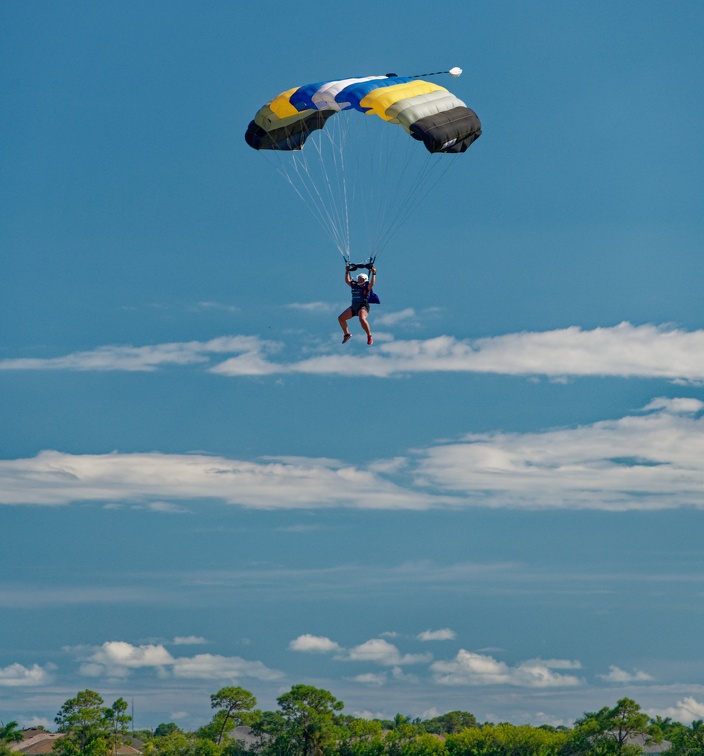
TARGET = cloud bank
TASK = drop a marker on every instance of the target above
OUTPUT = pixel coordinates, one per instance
(652, 459)
(625, 350)
(469, 668)
(120, 659)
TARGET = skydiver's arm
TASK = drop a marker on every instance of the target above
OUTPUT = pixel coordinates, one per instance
(373, 279)
(348, 278)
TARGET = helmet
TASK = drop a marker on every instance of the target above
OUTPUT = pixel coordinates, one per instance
(363, 277)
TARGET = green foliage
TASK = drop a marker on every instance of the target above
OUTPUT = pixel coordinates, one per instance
(687, 741)
(406, 740)
(452, 722)
(177, 743)
(166, 729)
(310, 715)
(87, 727)
(360, 737)
(309, 722)
(610, 732)
(503, 739)
(91, 729)
(10, 733)
(119, 721)
(143, 735)
(230, 702)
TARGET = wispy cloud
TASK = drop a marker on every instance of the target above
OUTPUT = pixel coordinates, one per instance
(189, 640)
(652, 459)
(408, 315)
(625, 350)
(469, 668)
(313, 307)
(437, 635)
(146, 358)
(31, 597)
(55, 478)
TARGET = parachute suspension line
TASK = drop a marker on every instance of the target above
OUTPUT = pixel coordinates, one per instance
(313, 202)
(394, 212)
(344, 131)
(324, 144)
(300, 173)
(432, 173)
(332, 191)
(344, 137)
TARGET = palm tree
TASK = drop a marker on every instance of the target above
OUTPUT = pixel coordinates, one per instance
(10, 733)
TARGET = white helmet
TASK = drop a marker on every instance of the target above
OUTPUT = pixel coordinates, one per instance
(363, 277)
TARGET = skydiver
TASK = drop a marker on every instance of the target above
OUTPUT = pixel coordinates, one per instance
(360, 304)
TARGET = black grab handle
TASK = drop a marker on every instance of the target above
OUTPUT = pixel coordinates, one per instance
(357, 266)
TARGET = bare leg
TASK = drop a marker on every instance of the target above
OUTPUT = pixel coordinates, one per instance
(363, 322)
(343, 318)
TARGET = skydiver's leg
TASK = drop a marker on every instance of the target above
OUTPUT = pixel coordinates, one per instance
(342, 320)
(363, 321)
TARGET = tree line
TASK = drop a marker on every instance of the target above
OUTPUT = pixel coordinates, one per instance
(310, 722)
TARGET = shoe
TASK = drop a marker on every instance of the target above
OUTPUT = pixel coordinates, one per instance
(370, 340)
(346, 338)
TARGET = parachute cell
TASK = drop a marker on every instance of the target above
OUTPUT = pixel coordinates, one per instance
(427, 111)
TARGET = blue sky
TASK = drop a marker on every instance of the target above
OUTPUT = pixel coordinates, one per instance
(495, 508)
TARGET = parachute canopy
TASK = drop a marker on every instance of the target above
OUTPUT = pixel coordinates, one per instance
(427, 111)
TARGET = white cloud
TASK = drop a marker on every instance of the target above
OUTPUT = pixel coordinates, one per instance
(394, 318)
(382, 652)
(645, 461)
(148, 358)
(19, 676)
(437, 635)
(120, 659)
(214, 667)
(686, 711)
(370, 678)
(624, 350)
(653, 459)
(189, 640)
(313, 307)
(469, 668)
(38, 722)
(164, 507)
(55, 478)
(618, 675)
(117, 659)
(314, 644)
(376, 650)
(218, 306)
